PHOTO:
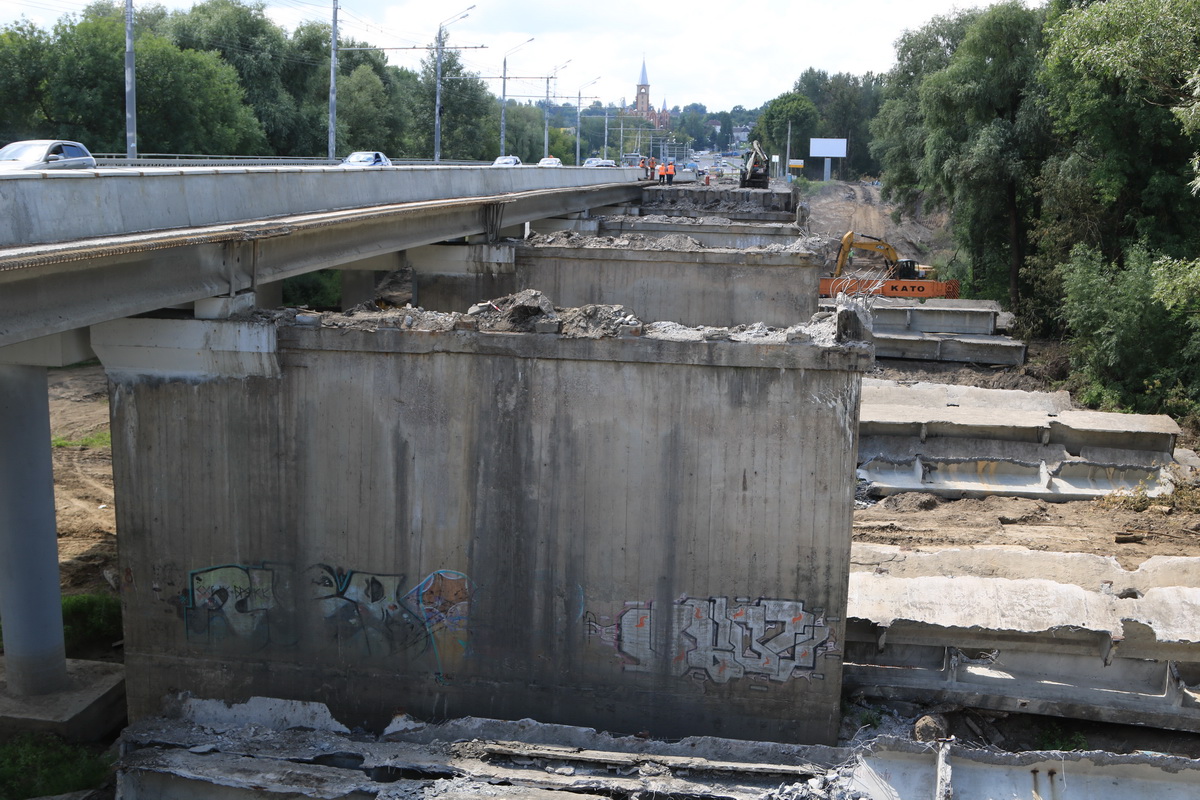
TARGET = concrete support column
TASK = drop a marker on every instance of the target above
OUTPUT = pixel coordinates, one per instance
(30, 598)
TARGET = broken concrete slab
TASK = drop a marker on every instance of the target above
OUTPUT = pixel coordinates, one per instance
(461, 759)
(949, 347)
(936, 315)
(92, 706)
(969, 626)
(960, 441)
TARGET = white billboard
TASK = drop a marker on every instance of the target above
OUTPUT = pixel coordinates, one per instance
(827, 148)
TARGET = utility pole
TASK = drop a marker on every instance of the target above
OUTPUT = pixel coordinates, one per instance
(546, 110)
(130, 86)
(579, 116)
(787, 163)
(333, 54)
(504, 89)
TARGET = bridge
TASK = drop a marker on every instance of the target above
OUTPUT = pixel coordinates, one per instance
(84, 247)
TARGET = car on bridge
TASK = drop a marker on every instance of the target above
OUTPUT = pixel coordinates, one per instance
(45, 154)
(507, 161)
(550, 161)
(366, 158)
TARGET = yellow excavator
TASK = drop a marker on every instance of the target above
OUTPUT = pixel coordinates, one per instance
(755, 173)
(902, 277)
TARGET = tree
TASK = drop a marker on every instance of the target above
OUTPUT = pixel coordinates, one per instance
(256, 48)
(25, 55)
(772, 127)
(470, 117)
(898, 131)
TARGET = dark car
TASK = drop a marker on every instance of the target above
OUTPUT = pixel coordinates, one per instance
(45, 154)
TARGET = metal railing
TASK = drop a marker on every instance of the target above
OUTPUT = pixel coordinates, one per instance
(187, 160)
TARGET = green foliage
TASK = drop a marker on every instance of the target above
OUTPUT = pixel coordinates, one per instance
(320, 290)
(90, 619)
(772, 127)
(36, 765)
(1053, 737)
(100, 438)
(1129, 349)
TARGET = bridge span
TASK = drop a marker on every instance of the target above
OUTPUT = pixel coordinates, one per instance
(83, 247)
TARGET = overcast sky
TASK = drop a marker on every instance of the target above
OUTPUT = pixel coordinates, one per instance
(695, 52)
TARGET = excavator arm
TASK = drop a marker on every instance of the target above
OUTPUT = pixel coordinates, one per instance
(863, 242)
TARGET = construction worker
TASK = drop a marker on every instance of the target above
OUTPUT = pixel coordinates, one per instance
(650, 173)
(645, 169)
(670, 172)
(662, 172)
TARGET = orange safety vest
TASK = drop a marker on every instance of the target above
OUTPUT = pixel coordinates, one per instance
(662, 169)
(671, 168)
(651, 163)
(642, 163)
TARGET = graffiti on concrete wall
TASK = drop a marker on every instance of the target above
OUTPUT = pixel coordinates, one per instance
(373, 614)
(714, 640)
(230, 603)
(362, 614)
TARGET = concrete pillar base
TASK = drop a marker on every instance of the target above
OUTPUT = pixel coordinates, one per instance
(89, 708)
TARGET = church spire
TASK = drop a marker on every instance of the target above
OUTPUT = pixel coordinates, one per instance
(644, 80)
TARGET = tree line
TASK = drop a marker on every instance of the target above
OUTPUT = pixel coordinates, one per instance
(1062, 141)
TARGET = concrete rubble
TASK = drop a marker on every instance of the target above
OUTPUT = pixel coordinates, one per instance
(196, 755)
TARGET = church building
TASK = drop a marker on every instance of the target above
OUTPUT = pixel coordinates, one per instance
(661, 120)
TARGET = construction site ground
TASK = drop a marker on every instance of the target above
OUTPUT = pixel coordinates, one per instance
(87, 525)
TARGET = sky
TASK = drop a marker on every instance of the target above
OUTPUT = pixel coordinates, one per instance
(695, 52)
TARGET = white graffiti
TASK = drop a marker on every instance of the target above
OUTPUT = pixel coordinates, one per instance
(772, 639)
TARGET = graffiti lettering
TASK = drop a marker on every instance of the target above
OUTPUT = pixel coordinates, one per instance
(774, 640)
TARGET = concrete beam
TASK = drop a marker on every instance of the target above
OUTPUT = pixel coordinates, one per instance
(55, 350)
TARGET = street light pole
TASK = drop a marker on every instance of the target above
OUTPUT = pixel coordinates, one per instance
(437, 91)
(546, 110)
(333, 69)
(504, 89)
(579, 116)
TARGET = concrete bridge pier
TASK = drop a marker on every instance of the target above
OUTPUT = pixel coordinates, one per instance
(30, 598)
(40, 688)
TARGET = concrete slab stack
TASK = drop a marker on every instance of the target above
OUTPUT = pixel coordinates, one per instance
(1065, 634)
(633, 533)
(962, 441)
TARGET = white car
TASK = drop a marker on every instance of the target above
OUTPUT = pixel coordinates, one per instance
(366, 158)
(551, 161)
(45, 154)
(507, 161)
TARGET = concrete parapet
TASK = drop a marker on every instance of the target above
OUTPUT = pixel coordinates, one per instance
(1103, 651)
(455, 522)
(963, 441)
(60, 206)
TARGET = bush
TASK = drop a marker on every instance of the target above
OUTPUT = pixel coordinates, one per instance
(35, 765)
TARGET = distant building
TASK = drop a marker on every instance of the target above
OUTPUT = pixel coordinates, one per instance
(642, 108)
(741, 134)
